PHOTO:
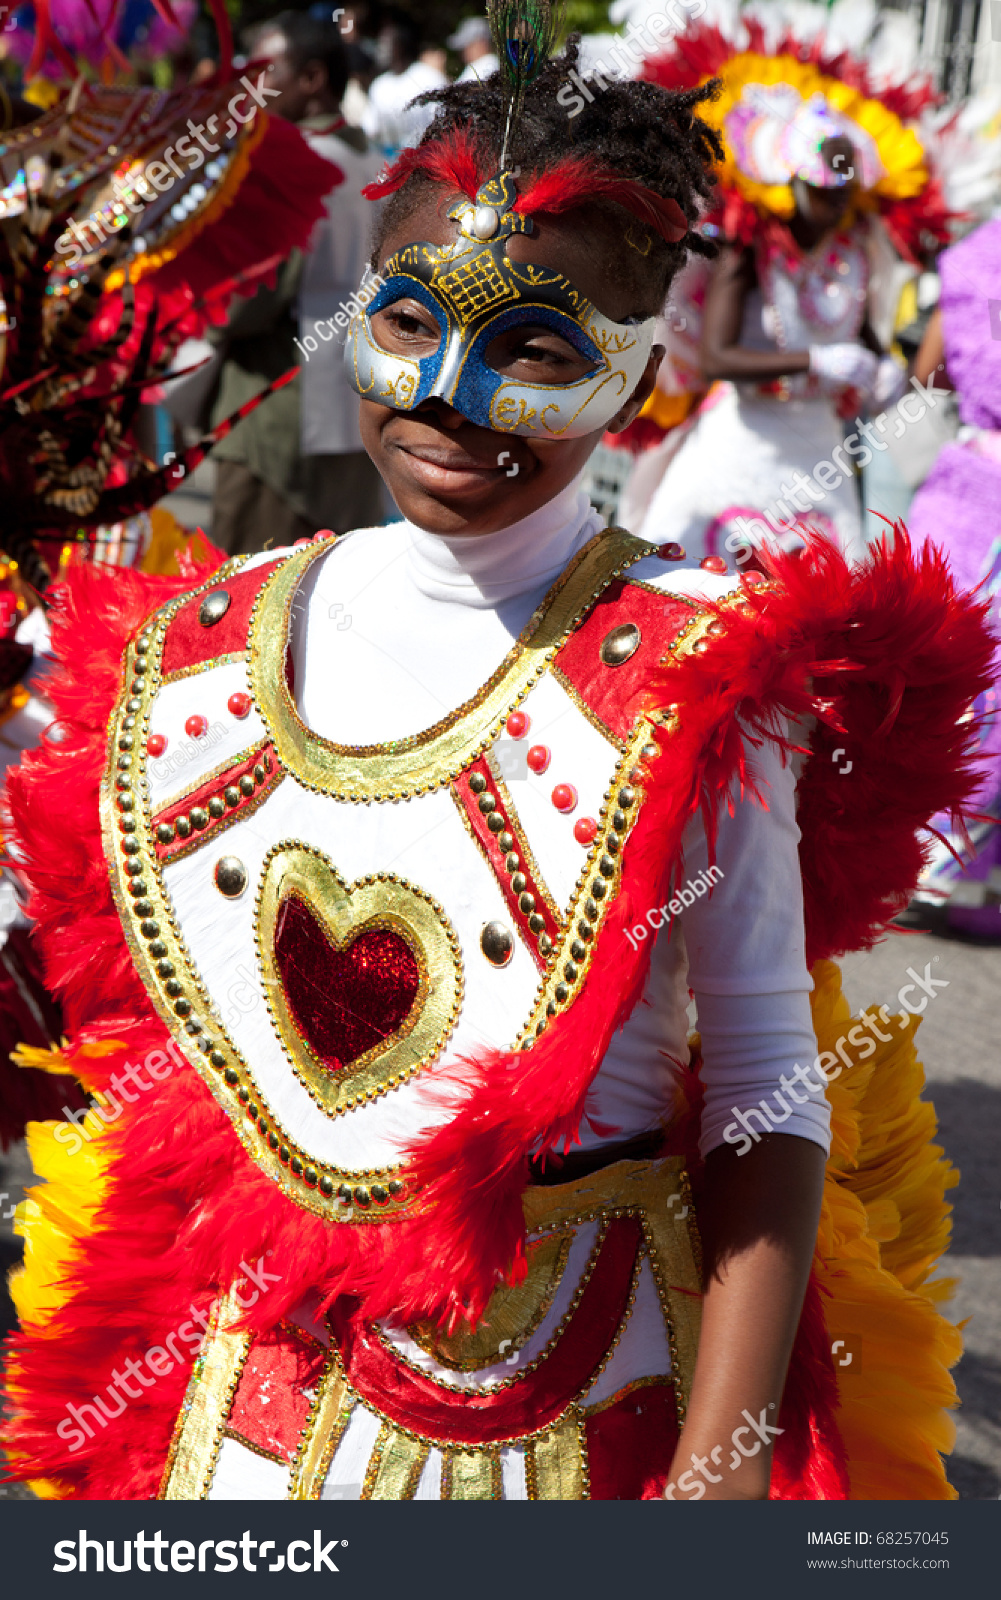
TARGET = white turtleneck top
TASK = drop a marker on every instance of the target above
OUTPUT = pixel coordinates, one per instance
(414, 623)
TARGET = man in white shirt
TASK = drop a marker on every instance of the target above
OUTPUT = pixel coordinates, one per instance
(308, 63)
(392, 120)
(472, 41)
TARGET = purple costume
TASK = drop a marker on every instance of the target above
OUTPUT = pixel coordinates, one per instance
(959, 507)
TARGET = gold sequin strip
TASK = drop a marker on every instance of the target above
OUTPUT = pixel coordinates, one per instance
(433, 758)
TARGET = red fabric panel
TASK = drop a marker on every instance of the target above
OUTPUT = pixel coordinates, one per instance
(495, 855)
(188, 644)
(630, 1446)
(270, 1406)
(413, 1401)
(612, 692)
(200, 797)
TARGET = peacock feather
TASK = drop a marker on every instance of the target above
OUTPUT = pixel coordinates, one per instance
(524, 35)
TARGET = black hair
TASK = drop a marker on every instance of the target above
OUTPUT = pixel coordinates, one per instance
(637, 130)
(408, 31)
(308, 38)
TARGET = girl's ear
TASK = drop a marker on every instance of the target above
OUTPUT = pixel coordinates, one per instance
(642, 392)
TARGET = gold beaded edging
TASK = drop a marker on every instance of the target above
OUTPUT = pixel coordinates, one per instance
(169, 974)
(425, 761)
(597, 886)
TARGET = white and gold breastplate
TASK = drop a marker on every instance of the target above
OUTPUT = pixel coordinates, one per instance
(326, 929)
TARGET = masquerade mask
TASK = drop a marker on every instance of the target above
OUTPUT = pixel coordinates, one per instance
(475, 292)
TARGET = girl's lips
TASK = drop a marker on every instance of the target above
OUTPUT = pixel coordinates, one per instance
(447, 471)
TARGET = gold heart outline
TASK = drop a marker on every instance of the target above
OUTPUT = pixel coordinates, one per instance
(512, 1316)
(343, 911)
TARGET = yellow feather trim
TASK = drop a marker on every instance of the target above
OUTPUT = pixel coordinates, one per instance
(54, 1217)
(64, 1060)
(884, 1224)
(900, 149)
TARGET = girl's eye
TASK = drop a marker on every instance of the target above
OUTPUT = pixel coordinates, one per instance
(406, 325)
(539, 355)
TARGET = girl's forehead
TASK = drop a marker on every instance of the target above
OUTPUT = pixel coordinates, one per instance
(580, 244)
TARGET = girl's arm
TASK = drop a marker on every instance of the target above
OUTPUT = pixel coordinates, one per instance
(758, 1212)
(721, 353)
(758, 1219)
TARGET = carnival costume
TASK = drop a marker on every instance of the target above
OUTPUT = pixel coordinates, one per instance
(385, 950)
(719, 481)
(114, 253)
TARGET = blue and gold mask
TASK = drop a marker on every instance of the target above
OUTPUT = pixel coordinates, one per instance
(475, 292)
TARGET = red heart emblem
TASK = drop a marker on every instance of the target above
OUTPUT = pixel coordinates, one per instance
(344, 1001)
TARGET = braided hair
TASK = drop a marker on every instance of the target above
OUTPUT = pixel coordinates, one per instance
(637, 130)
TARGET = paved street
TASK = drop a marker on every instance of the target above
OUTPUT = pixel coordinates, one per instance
(959, 1045)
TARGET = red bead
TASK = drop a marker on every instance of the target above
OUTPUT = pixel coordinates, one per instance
(671, 552)
(196, 726)
(754, 580)
(565, 797)
(539, 757)
(712, 564)
(239, 705)
(584, 830)
(156, 744)
(518, 724)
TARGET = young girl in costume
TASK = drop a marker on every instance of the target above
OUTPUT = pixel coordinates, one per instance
(383, 996)
(825, 190)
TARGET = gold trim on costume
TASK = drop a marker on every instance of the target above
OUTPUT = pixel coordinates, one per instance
(201, 1422)
(395, 1468)
(328, 1417)
(203, 666)
(471, 1474)
(427, 760)
(514, 1313)
(298, 871)
(559, 1461)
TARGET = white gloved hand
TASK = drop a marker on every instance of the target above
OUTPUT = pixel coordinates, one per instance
(891, 381)
(843, 366)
